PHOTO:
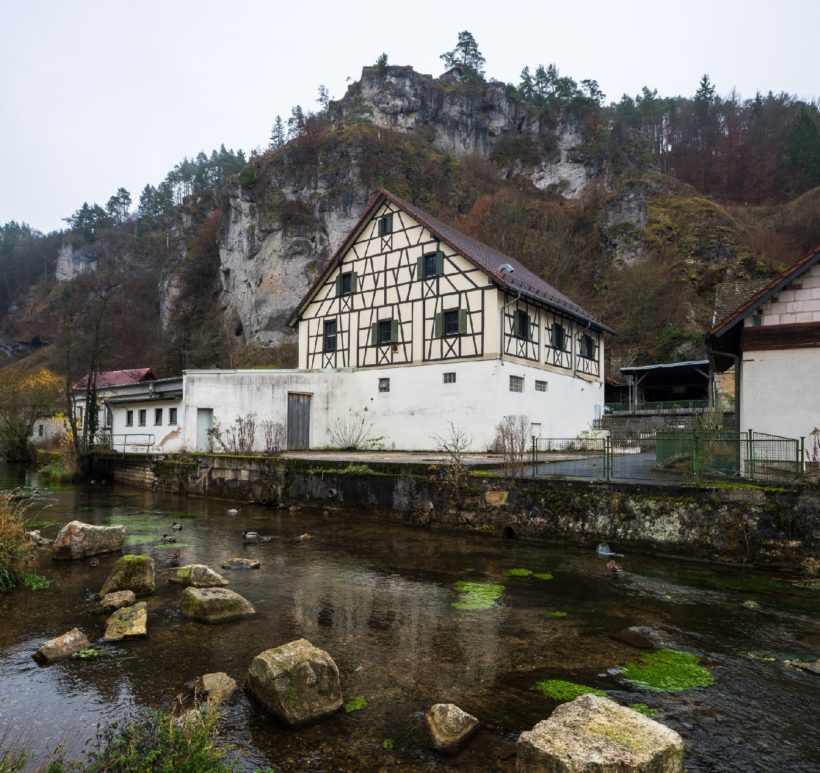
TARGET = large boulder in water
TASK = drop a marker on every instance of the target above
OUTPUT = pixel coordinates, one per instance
(62, 647)
(197, 576)
(127, 623)
(596, 734)
(449, 725)
(297, 682)
(78, 540)
(135, 573)
(214, 605)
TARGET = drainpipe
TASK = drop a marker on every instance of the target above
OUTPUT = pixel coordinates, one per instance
(501, 326)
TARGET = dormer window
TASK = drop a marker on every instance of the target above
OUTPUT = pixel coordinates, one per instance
(386, 224)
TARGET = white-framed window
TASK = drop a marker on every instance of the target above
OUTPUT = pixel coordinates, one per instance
(129, 418)
(540, 386)
(516, 383)
(449, 378)
(384, 385)
(172, 416)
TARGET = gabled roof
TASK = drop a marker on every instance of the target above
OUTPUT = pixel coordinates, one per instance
(520, 280)
(754, 301)
(117, 378)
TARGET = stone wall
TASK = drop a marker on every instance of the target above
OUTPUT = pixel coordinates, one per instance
(743, 524)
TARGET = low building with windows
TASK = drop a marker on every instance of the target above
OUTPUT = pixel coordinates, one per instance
(410, 327)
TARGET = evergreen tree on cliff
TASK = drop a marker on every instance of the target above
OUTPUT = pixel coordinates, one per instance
(466, 55)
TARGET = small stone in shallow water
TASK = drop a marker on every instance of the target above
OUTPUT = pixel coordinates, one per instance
(214, 605)
(750, 604)
(62, 647)
(241, 563)
(449, 725)
(215, 688)
(111, 602)
(197, 576)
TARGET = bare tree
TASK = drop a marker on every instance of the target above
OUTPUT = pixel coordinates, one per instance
(236, 439)
(511, 436)
(352, 432)
(453, 474)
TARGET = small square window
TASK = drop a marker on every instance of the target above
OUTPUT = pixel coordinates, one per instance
(172, 416)
(129, 418)
(142, 416)
(516, 383)
(329, 336)
(157, 417)
(449, 378)
(540, 386)
(384, 385)
(386, 225)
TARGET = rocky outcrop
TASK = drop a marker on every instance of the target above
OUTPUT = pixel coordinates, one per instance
(73, 262)
(62, 647)
(215, 688)
(78, 540)
(127, 623)
(449, 726)
(297, 682)
(596, 734)
(214, 605)
(134, 573)
(197, 576)
(111, 602)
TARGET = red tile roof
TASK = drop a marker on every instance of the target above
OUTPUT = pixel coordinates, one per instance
(521, 280)
(116, 378)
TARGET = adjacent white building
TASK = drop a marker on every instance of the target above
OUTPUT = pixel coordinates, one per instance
(773, 340)
(410, 327)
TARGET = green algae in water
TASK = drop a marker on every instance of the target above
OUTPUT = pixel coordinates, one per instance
(518, 573)
(543, 576)
(171, 545)
(561, 690)
(88, 653)
(36, 581)
(556, 614)
(477, 595)
(356, 703)
(642, 708)
(388, 743)
(744, 583)
(668, 671)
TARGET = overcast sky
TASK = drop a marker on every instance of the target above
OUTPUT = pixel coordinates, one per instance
(97, 94)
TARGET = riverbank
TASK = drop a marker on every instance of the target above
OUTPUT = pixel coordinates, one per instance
(739, 524)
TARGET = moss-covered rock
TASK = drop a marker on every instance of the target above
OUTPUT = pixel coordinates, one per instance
(596, 734)
(214, 605)
(134, 573)
(197, 576)
(127, 623)
(296, 682)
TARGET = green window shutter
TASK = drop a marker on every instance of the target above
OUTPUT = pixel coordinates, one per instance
(439, 262)
(354, 282)
(462, 321)
(394, 331)
(438, 328)
(374, 334)
(420, 272)
(338, 285)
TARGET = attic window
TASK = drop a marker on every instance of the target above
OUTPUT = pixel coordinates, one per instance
(346, 283)
(431, 264)
(386, 224)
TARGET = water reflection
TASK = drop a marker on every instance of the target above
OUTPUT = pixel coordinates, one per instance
(379, 598)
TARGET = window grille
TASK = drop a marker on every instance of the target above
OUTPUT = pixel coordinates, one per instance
(449, 378)
(384, 385)
(516, 383)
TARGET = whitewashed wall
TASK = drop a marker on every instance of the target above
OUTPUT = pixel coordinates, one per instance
(167, 438)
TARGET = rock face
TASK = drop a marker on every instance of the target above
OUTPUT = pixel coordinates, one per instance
(197, 576)
(117, 600)
(72, 262)
(62, 647)
(596, 734)
(134, 573)
(241, 563)
(449, 726)
(78, 540)
(127, 623)
(215, 688)
(214, 605)
(297, 682)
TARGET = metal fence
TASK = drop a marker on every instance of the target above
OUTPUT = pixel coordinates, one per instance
(665, 406)
(669, 456)
(125, 443)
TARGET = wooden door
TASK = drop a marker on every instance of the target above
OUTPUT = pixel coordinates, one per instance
(298, 422)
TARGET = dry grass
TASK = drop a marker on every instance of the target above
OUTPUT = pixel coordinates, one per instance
(17, 551)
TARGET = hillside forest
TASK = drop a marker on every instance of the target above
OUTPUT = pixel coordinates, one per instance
(668, 197)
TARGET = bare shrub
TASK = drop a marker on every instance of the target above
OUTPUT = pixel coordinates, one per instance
(237, 438)
(453, 474)
(511, 436)
(274, 432)
(17, 551)
(353, 432)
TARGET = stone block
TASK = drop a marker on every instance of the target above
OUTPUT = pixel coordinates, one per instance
(62, 647)
(197, 576)
(214, 605)
(494, 498)
(78, 540)
(134, 573)
(127, 623)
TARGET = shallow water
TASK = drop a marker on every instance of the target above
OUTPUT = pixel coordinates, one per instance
(378, 597)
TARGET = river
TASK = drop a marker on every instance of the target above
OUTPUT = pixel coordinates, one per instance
(378, 596)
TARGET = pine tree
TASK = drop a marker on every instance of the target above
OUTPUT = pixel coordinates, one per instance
(324, 97)
(465, 55)
(277, 135)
